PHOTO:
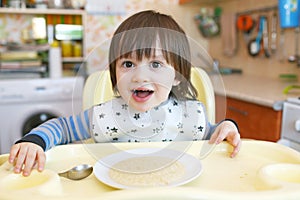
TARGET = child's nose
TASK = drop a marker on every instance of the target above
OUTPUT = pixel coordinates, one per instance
(141, 74)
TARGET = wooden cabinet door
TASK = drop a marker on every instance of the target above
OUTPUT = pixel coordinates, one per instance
(255, 121)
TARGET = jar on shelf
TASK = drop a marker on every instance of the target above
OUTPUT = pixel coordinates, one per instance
(66, 47)
(77, 49)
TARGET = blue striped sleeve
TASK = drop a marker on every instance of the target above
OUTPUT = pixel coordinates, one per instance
(64, 130)
(73, 128)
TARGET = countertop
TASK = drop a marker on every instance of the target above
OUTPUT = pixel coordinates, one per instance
(259, 90)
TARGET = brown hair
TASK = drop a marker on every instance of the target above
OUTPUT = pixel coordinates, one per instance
(139, 34)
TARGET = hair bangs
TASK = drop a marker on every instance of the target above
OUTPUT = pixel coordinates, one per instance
(144, 42)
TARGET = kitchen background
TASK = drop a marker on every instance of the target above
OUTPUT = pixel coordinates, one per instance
(254, 96)
(100, 25)
(99, 28)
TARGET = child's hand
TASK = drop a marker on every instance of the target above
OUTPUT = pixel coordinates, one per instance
(227, 130)
(27, 154)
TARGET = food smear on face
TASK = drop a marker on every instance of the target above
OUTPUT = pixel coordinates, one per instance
(146, 171)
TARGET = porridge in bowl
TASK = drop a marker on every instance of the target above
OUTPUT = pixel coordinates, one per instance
(147, 171)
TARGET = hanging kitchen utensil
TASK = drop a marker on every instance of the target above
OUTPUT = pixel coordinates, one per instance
(245, 23)
(274, 33)
(229, 34)
(254, 45)
(265, 39)
(297, 32)
(295, 57)
(282, 53)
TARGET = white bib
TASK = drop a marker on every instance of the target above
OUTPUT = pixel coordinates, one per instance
(173, 120)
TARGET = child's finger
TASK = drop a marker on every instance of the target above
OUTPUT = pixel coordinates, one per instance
(20, 159)
(29, 162)
(236, 149)
(13, 153)
(213, 139)
(218, 136)
(41, 159)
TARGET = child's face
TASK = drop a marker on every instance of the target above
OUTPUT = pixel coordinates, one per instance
(147, 83)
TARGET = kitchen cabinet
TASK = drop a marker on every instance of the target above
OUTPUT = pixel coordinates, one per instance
(255, 121)
(52, 17)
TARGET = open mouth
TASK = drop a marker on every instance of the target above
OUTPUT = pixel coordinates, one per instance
(142, 95)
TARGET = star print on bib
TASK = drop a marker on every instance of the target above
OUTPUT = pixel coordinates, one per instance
(115, 121)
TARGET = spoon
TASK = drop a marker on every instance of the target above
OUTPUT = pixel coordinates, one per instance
(78, 172)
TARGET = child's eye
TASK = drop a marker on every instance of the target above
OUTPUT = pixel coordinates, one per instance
(155, 64)
(127, 64)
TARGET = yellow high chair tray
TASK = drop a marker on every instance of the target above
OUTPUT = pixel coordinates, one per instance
(262, 170)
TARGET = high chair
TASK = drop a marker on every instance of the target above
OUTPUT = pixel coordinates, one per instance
(98, 89)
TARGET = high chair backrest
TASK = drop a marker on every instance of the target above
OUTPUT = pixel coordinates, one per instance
(98, 89)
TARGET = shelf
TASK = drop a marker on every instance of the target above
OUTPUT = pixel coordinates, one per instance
(42, 11)
(73, 59)
(40, 69)
(49, 14)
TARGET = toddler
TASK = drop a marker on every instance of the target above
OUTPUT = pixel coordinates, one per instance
(149, 63)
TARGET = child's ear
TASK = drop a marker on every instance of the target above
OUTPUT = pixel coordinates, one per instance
(176, 82)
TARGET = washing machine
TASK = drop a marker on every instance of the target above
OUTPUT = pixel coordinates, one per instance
(26, 103)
